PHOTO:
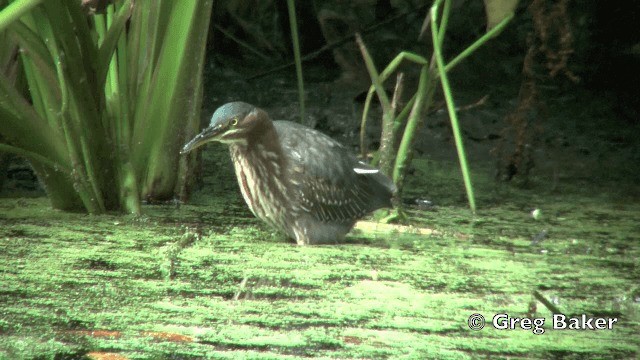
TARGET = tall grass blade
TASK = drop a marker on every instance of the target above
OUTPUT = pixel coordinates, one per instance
(293, 24)
(444, 80)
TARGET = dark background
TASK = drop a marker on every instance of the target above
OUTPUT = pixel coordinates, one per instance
(571, 110)
(560, 83)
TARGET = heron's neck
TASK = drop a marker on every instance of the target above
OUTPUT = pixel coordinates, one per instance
(259, 167)
(262, 141)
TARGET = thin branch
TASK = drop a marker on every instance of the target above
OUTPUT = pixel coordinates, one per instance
(337, 43)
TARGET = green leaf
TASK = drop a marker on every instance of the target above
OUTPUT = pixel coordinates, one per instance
(15, 10)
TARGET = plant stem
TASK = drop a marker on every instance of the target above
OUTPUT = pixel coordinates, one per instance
(444, 80)
(473, 47)
(424, 96)
(15, 10)
(296, 53)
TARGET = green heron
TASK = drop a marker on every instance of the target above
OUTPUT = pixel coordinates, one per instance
(296, 179)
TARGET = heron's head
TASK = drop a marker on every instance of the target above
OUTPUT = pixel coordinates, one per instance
(231, 123)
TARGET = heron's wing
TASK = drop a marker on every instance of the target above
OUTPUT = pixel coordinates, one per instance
(328, 181)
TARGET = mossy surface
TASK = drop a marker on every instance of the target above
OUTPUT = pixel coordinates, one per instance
(207, 280)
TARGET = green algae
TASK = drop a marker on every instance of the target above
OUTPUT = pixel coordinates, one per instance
(207, 280)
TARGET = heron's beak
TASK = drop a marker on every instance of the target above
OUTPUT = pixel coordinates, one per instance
(207, 135)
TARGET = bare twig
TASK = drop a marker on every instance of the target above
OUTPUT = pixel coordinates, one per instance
(240, 42)
(337, 43)
(241, 288)
(554, 309)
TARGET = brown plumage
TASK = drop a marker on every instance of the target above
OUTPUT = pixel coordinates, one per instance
(294, 178)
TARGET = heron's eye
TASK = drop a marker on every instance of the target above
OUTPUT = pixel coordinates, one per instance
(234, 121)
